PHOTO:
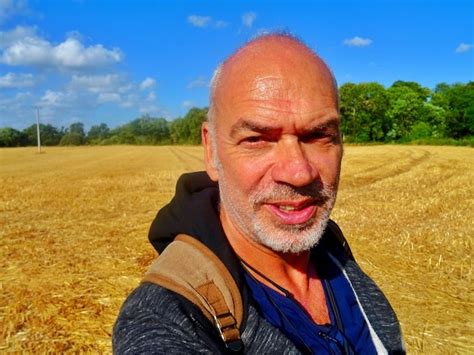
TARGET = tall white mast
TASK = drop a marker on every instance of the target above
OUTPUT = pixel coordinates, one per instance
(38, 129)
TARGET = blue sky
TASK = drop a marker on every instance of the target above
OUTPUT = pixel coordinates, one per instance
(113, 61)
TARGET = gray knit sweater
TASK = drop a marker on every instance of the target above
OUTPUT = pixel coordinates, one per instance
(153, 321)
(156, 320)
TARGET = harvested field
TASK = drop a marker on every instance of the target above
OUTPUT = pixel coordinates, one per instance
(74, 223)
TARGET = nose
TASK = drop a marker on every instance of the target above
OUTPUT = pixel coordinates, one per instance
(292, 165)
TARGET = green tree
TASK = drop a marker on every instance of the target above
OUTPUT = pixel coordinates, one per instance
(98, 133)
(420, 130)
(406, 105)
(363, 108)
(122, 135)
(458, 102)
(348, 106)
(72, 139)
(75, 135)
(434, 116)
(143, 130)
(49, 134)
(421, 92)
(179, 131)
(77, 128)
(187, 130)
(153, 130)
(194, 118)
(10, 137)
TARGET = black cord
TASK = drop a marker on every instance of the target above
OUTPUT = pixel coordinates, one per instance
(282, 289)
(269, 297)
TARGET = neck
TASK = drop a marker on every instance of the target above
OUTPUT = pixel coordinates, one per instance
(293, 272)
(290, 271)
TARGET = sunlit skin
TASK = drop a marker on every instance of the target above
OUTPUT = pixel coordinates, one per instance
(277, 124)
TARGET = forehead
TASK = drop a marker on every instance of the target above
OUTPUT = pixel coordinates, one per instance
(274, 80)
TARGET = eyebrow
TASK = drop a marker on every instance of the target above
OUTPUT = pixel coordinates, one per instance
(332, 123)
(246, 124)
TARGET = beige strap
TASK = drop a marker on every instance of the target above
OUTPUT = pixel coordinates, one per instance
(192, 270)
(223, 318)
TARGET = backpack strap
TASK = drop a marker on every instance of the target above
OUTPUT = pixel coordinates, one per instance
(189, 268)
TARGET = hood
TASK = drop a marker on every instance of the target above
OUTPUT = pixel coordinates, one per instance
(194, 211)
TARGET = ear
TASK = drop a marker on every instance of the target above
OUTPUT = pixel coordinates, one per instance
(206, 138)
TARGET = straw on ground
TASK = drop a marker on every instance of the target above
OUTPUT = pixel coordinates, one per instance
(74, 222)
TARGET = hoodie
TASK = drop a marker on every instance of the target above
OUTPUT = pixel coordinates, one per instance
(156, 320)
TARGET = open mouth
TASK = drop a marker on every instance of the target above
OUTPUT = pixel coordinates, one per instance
(291, 212)
(286, 208)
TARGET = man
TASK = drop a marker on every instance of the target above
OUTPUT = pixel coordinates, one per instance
(273, 154)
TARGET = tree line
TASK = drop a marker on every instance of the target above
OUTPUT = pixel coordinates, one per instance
(404, 112)
(143, 130)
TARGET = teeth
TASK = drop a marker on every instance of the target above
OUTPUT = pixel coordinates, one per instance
(287, 208)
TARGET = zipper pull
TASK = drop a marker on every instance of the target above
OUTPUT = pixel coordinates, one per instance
(327, 337)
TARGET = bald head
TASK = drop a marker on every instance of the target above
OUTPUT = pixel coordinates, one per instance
(261, 65)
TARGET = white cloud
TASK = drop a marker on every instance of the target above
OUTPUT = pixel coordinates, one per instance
(108, 97)
(151, 96)
(77, 94)
(53, 98)
(206, 21)
(147, 83)
(59, 107)
(150, 109)
(248, 18)
(358, 42)
(19, 33)
(464, 47)
(76, 35)
(221, 24)
(101, 83)
(199, 21)
(199, 82)
(12, 80)
(129, 101)
(54, 103)
(22, 46)
(87, 92)
(187, 104)
(16, 111)
(9, 8)
(127, 104)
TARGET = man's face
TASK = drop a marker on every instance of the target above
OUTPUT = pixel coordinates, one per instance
(277, 154)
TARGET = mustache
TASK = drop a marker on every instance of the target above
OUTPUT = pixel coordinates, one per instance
(315, 191)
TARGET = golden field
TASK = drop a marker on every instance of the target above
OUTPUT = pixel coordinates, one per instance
(74, 223)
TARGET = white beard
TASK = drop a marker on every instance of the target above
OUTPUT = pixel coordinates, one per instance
(277, 237)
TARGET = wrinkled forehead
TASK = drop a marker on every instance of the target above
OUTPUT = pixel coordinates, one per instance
(271, 70)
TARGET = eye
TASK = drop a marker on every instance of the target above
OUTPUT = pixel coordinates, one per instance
(253, 139)
(320, 136)
(313, 136)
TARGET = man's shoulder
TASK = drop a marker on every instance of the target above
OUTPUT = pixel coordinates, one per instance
(152, 297)
(154, 319)
(159, 305)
